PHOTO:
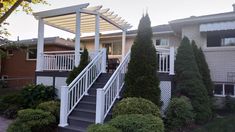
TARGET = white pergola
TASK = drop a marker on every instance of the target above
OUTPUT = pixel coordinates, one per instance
(79, 19)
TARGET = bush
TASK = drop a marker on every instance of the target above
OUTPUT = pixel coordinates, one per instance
(135, 106)
(77, 70)
(17, 126)
(102, 128)
(203, 68)
(51, 106)
(179, 113)
(189, 82)
(3, 84)
(35, 94)
(10, 104)
(138, 123)
(141, 79)
(229, 104)
(35, 120)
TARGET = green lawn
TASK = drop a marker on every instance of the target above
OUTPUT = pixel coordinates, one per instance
(222, 124)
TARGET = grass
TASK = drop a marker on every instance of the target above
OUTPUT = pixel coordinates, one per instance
(221, 124)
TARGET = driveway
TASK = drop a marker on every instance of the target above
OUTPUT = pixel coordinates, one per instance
(4, 123)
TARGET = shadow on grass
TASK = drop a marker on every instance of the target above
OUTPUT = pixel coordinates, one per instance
(220, 124)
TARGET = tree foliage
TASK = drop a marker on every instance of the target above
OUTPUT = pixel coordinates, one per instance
(141, 79)
(77, 70)
(189, 81)
(203, 68)
(25, 5)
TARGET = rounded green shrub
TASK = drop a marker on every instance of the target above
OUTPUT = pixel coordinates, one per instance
(35, 94)
(51, 106)
(36, 119)
(135, 106)
(18, 126)
(138, 123)
(102, 128)
(179, 113)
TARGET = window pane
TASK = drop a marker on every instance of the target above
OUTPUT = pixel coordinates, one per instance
(228, 42)
(117, 48)
(229, 89)
(164, 42)
(218, 89)
(108, 47)
(32, 54)
(157, 42)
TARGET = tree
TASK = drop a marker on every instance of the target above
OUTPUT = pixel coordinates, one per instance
(189, 82)
(9, 6)
(203, 68)
(77, 70)
(141, 79)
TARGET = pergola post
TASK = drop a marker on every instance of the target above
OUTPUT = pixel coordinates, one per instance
(123, 43)
(40, 45)
(77, 38)
(97, 32)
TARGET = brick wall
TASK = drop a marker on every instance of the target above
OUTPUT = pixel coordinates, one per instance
(17, 66)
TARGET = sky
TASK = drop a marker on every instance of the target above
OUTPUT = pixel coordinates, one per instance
(160, 12)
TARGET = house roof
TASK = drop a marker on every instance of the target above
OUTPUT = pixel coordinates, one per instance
(221, 17)
(67, 18)
(48, 41)
(160, 29)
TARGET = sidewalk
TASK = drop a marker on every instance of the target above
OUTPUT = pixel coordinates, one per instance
(4, 124)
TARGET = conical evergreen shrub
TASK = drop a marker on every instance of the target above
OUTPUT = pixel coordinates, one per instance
(77, 70)
(141, 79)
(189, 82)
(203, 68)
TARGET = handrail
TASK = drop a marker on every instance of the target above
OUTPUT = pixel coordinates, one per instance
(57, 52)
(73, 93)
(107, 96)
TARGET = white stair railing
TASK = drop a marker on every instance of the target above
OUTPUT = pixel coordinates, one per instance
(107, 96)
(72, 94)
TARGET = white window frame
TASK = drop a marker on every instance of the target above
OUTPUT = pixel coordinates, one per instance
(161, 40)
(223, 40)
(27, 55)
(223, 90)
(112, 43)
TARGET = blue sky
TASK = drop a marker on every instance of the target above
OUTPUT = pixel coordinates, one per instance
(160, 12)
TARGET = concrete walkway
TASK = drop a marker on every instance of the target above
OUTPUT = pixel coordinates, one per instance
(4, 123)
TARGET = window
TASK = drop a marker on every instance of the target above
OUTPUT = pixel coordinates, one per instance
(32, 54)
(10, 52)
(113, 48)
(223, 89)
(228, 41)
(162, 42)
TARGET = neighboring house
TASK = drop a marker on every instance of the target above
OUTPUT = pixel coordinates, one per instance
(19, 65)
(215, 34)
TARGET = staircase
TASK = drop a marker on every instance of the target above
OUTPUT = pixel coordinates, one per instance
(83, 114)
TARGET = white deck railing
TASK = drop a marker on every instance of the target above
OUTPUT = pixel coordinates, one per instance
(166, 58)
(72, 94)
(106, 96)
(58, 60)
(61, 60)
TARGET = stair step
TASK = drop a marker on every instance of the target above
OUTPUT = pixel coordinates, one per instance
(98, 85)
(86, 105)
(89, 98)
(71, 128)
(92, 91)
(80, 122)
(83, 113)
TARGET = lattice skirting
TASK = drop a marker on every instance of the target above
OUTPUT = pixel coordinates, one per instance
(165, 87)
